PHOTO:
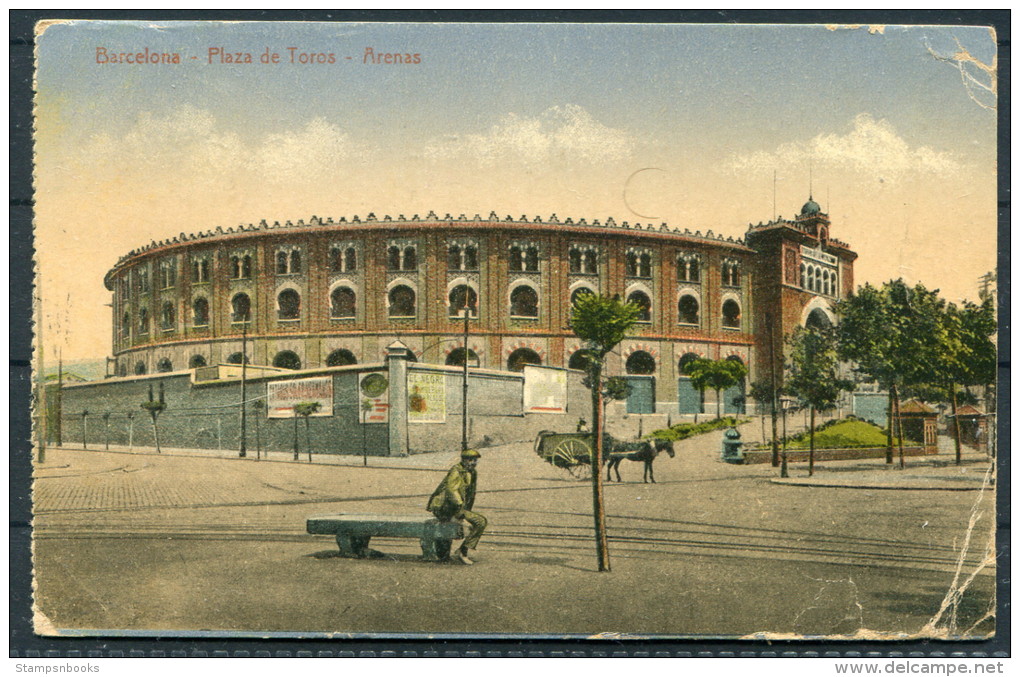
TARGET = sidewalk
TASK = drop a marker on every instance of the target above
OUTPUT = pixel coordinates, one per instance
(924, 473)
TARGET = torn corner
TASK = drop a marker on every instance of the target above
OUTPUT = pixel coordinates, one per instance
(42, 26)
(42, 623)
(873, 29)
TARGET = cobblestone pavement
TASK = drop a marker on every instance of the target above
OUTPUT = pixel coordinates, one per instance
(139, 540)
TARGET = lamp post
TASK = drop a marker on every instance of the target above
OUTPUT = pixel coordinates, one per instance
(787, 403)
(244, 379)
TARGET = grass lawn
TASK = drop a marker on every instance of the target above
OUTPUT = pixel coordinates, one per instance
(845, 434)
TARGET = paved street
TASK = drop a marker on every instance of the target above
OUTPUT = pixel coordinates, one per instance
(134, 540)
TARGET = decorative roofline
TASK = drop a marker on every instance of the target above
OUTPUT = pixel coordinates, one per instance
(610, 224)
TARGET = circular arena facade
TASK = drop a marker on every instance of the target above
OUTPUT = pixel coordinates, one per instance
(325, 293)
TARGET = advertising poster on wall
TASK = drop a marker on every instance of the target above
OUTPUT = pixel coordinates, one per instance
(373, 398)
(283, 396)
(545, 390)
(426, 398)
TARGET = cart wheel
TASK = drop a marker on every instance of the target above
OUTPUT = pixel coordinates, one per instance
(581, 471)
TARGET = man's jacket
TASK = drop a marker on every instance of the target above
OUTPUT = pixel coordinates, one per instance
(455, 494)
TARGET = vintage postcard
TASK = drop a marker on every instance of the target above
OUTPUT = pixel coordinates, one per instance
(471, 330)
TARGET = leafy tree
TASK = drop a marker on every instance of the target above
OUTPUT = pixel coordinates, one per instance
(305, 410)
(601, 322)
(814, 377)
(717, 375)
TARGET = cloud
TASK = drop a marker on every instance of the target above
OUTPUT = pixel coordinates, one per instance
(562, 132)
(871, 146)
(187, 142)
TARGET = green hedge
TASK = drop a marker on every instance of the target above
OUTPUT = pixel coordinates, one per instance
(682, 431)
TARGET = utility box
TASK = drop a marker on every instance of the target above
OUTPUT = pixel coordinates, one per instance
(732, 447)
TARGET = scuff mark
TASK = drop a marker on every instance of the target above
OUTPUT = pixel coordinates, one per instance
(873, 29)
(944, 622)
(972, 70)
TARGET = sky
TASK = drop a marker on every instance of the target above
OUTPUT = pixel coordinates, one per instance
(896, 144)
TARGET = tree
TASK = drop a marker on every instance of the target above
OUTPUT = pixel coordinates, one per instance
(601, 322)
(717, 375)
(814, 375)
(304, 409)
(155, 407)
(895, 335)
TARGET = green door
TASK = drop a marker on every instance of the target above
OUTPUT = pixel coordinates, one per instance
(642, 395)
(690, 399)
(733, 399)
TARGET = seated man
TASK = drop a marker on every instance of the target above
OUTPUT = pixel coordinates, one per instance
(454, 498)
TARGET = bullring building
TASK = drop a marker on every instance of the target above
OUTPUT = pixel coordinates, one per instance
(325, 293)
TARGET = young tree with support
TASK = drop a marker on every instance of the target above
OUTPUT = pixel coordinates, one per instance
(717, 375)
(601, 322)
(813, 376)
(155, 408)
(305, 410)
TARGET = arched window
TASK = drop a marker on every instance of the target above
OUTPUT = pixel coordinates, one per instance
(336, 260)
(402, 302)
(350, 259)
(640, 299)
(236, 358)
(689, 310)
(121, 369)
(453, 258)
(196, 361)
(589, 261)
(578, 293)
(688, 268)
(240, 307)
(143, 321)
(340, 358)
(524, 302)
(640, 363)
(575, 260)
(200, 312)
(140, 369)
(295, 261)
(470, 258)
(199, 270)
(803, 277)
(281, 263)
(287, 359)
(645, 265)
(125, 325)
(456, 358)
(393, 258)
(169, 316)
(164, 366)
(342, 303)
(235, 267)
(531, 259)
(288, 305)
(632, 264)
(731, 314)
(516, 259)
(460, 296)
(246, 267)
(410, 258)
(521, 357)
(579, 360)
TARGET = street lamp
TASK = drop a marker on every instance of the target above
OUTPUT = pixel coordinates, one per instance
(464, 397)
(786, 403)
(244, 374)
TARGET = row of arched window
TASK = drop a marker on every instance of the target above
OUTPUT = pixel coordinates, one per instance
(638, 363)
(817, 279)
(524, 303)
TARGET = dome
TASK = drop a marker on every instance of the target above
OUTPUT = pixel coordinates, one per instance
(810, 208)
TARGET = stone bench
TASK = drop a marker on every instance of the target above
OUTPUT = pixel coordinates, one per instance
(353, 532)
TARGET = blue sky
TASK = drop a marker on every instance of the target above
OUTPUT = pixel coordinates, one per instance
(522, 118)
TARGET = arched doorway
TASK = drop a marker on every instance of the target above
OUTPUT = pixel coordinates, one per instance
(521, 357)
(164, 366)
(640, 366)
(641, 362)
(579, 360)
(818, 319)
(196, 361)
(140, 369)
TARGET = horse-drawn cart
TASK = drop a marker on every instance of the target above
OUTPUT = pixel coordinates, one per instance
(569, 451)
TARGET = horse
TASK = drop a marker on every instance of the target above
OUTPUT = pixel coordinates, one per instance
(645, 451)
